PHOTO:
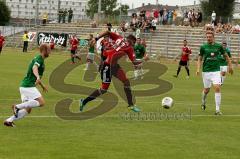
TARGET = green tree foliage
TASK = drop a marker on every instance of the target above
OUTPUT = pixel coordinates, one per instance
(223, 8)
(123, 10)
(108, 7)
(5, 13)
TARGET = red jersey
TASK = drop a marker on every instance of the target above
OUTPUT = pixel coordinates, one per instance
(74, 43)
(120, 49)
(185, 56)
(1, 41)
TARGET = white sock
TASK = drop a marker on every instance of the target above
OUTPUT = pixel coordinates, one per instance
(204, 97)
(223, 78)
(141, 72)
(28, 104)
(21, 114)
(218, 101)
(135, 73)
(87, 66)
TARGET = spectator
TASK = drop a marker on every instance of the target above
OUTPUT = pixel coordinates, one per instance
(60, 15)
(52, 44)
(161, 16)
(25, 41)
(147, 26)
(174, 16)
(109, 26)
(170, 17)
(165, 16)
(214, 18)
(2, 40)
(70, 15)
(64, 15)
(44, 18)
(154, 24)
(155, 14)
(199, 19)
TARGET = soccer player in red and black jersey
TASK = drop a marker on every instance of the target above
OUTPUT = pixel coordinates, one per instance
(111, 68)
(186, 51)
(74, 45)
(2, 40)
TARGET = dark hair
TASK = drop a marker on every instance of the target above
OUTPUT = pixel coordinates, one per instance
(131, 37)
(185, 40)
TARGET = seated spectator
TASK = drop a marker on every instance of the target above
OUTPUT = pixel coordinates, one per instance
(219, 28)
(235, 29)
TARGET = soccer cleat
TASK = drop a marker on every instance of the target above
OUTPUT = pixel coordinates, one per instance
(9, 124)
(81, 105)
(187, 77)
(15, 110)
(218, 113)
(203, 106)
(175, 76)
(134, 109)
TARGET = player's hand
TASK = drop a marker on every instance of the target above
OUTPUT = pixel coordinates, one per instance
(38, 81)
(230, 70)
(197, 72)
(45, 89)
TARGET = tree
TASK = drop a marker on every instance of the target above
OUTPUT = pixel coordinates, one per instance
(107, 7)
(223, 8)
(5, 13)
(123, 10)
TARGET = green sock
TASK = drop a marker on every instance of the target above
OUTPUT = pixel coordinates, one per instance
(72, 59)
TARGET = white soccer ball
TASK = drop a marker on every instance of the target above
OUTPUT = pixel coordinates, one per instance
(167, 102)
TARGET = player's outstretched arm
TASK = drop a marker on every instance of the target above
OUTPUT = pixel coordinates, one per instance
(199, 62)
(230, 68)
(103, 35)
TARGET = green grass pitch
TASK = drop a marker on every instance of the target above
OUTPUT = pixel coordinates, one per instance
(42, 135)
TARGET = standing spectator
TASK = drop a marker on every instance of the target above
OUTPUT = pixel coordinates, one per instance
(174, 16)
(155, 14)
(25, 41)
(170, 17)
(199, 19)
(64, 15)
(154, 24)
(143, 14)
(109, 26)
(165, 16)
(2, 40)
(44, 18)
(190, 17)
(60, 15)
(161, 16)
(214, 18)
(70, 15)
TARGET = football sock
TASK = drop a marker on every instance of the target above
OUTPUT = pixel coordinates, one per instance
(218, 101)
(72, 58)
(178, 71)
(28, 104)
(128, 93)
(135, 73)
(94, 95)
(21, 114)
(187, 69)
(204, 97)
(87, 65)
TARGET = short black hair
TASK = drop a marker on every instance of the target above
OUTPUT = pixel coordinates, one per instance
(131, 37)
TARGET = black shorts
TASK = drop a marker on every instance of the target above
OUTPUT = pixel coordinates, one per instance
(107, 71)
(0, 48)
(183, 63)
(73, 51)
(154, 27)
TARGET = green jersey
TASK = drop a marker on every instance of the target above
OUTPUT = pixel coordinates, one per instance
(30, 79)
(139, 51)
(210, 54)
(91, 50)
(222, 59)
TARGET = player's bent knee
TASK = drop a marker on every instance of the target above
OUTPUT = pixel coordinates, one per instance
(126, 83)
(28, 110)
(41, 101)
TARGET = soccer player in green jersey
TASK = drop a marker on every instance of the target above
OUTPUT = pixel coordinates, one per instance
(140, 52)
(91, 53)
(223, 62)
(30, 95)
(209, 54)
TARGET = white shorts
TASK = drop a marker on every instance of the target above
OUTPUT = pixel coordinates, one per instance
(223, 68)
(90, 56)
(29, 93)
(210, 78)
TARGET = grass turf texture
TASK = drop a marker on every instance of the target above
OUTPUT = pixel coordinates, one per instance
(42, 135)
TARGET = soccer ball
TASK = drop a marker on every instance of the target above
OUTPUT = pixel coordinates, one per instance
(167, 102)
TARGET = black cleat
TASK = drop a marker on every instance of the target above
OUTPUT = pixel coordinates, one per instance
(175, 76)
(9, 124)
(203, 106)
